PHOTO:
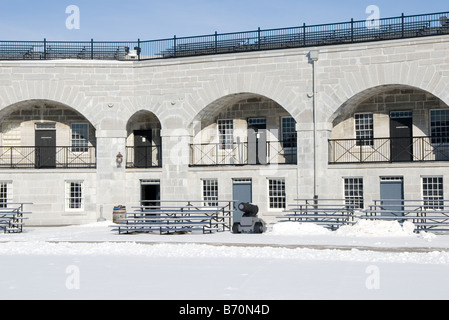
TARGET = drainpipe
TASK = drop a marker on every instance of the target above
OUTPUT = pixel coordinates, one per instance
(313, 56)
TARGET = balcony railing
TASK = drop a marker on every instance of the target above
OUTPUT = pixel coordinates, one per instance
(47, 157)
(240, 154)
(144, 157)
(389, 150)
(256, 40)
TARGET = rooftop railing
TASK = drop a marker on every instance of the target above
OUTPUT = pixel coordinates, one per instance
(257, 40)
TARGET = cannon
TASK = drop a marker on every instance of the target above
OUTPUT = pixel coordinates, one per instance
(249, 222)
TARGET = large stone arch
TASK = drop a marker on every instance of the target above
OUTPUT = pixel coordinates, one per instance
(371, 79)
(19, 119)
(57, 92)
(367, 97)
(228, 88)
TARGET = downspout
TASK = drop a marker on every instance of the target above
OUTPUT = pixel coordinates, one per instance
(313, 56)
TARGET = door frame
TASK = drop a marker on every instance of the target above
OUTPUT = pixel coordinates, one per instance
(393, 202)
(145, 183)
(240, 181)
(401, 146)
(147, 152)
(260, 153)
(45, 154)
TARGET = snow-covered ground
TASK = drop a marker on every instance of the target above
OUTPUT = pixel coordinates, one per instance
(371, 260)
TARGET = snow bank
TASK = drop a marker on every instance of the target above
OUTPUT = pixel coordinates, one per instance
(297, 228)
(378, 228)
(363, 228)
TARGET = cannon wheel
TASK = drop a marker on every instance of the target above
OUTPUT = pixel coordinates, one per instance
(235, 227)
(258, 227)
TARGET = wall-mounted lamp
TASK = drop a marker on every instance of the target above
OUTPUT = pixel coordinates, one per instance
(119, 159)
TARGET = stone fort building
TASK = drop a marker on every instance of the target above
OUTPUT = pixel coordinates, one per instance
(325, 111)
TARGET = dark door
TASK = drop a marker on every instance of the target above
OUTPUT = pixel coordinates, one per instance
(392, 196)
(257, 141)
(45, 155)
(401, 134)
(150, 194)
(143, 148)
(242, 192)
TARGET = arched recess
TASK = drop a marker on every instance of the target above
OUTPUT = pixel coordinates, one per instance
(144, 142)
(241, 129)
(43, 133)
(390, 123)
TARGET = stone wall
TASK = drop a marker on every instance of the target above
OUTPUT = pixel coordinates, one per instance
(181, 93)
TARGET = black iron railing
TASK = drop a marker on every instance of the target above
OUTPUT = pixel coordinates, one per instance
(256, 40)
(372, 150)
(239, 154)
(47, 157)
(144, 156)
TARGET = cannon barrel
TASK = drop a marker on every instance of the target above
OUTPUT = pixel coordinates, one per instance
(249, 209)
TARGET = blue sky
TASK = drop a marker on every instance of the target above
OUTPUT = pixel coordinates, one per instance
(156, 19)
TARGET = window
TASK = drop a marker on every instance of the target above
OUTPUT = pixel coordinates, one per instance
(433, 193)
(439, 125)
(225, 133)
(74, 195)
(364, 129)
(276, 193)
(354, 192)
(210, 192)
(80, 137)
(289, 135)
(5, 193)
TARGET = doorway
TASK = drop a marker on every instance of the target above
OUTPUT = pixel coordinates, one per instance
(45, 143)
(257, 141)
(401, 136)
(150, 193)
(143, 148)
(242, 190)
(392, 196)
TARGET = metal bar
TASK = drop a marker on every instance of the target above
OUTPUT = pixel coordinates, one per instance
(269, 39)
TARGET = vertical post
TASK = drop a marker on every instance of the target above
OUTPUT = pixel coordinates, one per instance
(174, 46)
(403, 24)
(352, 30)
(304, 33)
(45, 49)
(216, 42)
(138, 49)
(258, 38)
(91, 49)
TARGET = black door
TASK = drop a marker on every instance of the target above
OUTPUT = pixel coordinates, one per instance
(45, 155)
(401, 134)
(143, 148)
(150, 194)
(257, 141)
